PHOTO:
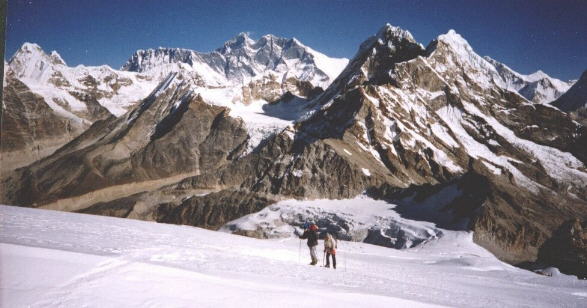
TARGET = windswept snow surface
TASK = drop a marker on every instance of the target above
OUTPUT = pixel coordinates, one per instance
(58, 259)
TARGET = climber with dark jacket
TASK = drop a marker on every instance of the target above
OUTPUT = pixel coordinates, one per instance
(312, 236)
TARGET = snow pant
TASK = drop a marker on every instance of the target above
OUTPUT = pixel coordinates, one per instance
(313, 255)
(328, 254)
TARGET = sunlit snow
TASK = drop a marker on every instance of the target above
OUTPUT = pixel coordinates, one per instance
(58, 259)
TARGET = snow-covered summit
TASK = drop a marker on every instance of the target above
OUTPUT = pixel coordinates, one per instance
(451, 53)
(375, 59)
(455, 40)
(32, 62)
(389, 30)
(56, 58)
(461, 49)
(242, 40)
(539, 74)
(30, 48)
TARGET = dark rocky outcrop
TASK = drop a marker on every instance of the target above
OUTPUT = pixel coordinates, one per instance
(575, 97)
(212, 210)
(567, 248)
(574, 101)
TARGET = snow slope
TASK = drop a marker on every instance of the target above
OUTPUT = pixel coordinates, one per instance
(58, 259)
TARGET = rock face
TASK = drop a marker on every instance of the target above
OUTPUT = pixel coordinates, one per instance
(212, 210)
(567, 248)
(31, 129)
(433, 130)
(574, 101)
(172, 131)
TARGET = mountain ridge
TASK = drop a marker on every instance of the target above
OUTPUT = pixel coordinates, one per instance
(240, 59)
(78, 96)
(537, 87)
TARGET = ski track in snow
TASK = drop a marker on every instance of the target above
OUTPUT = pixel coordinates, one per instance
(58, 259)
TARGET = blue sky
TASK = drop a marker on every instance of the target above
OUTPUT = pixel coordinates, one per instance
(525, 35)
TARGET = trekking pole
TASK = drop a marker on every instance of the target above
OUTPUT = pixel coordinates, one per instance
(300, 252)
(344, 264)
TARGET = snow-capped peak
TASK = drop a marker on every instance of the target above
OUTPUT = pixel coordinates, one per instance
(242, 40)
(146, 59)
(388, 31)
(56, 58)
(388, 40)
(539, 74)
(31, 62)
(30, 47)
(29, 51)
(456, 42)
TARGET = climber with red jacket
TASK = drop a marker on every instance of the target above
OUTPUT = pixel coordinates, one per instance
(312, 236)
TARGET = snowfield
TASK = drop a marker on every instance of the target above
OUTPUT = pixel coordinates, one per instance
(58, 259)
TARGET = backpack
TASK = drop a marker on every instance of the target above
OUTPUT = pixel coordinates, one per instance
(330, 243)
